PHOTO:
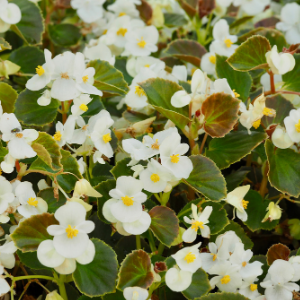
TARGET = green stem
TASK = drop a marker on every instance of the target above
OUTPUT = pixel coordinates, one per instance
(138, 242)
(152, 242)
(62, 288)
(33, 277)
(87, 173)
(161, 248)
(207, 28)
(165, 198)
(16, 30)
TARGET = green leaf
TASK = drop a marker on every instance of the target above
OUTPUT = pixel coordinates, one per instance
(29, 112)
(284, 166)
(64, 35)
(221, 113)
(108, 79)
(30, 260)
(4, 44)
(159, 92)
(32, 231)
(186, 50)
(28, 58)
(121, 168)
(223, 296)
(256, 211)
(120, 65)
(206, 178)
(32, 24)
(234, 179)
(282, 107)
(8, 97)
(233, 147)
(251, 54)
(199, 286)
(238, 22)
(69, 163)
(135, 270)
(240, 82)
(291, 79)
(3, 152)
(98, 277)
(53, 203)
(94, 107)
(172, 20)
(164, 224)
(133, 116)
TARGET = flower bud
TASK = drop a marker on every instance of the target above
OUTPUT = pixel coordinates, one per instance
(84, 188)
(8, 68)
(54, 296)
(273, 212)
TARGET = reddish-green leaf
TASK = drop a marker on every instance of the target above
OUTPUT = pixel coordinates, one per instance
(221, 113)
(278, 251)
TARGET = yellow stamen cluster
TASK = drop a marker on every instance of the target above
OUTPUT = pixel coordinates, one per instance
(71, 232)
(127, 200)
(212, 59)
(228, 43)
(64, 75)
(214, 256)
(33, 202)
(106, 138)
(122, 31)
(155, 146)
(253, 287)
(245, 203)
(85, 78)
(190, 257)
(244, 264)
(139, 91)
(19, 135)
(236, 95)
(297, 126)
(175, 158)
(196, 225)
(141, 43)
(256, 124)
(226, 279)
(40, 70)
(147, 66)
(121, 14)
(83, 107)
(155, 177)
(57, 136)
(104, 31)
(269, 112)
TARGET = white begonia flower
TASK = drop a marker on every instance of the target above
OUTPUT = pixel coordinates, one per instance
(98, 50)
(70, 236)
(236, 199)
(7, 257)
(88, 10)
(295, 262)
(228, 279)
(188, 258)
(121, 8)
(198, 221)
(83, 188)
(53, 296)
(135, 293)
(135, 148)
(224, 3)
(139, 226)
(230, 239)
(98, 158)
(10, 13)
(64, 132)
(222, 86)
(79, 106)
(280, 63)
(30, 203)
(290, 22)
(45, 99)
(281, 139)
(4, 286)
(224, 42)
(208, 62)
(252, 7)
(155, 178)
(171, 154)
(241, 258)
(8, 164)
(82, 165)
(292, 125)
(265, 81)
(137, 170)
(43, 74)
(9, 126)
(141, 41)
(178, 280)
(6, 194)
(273, 212)
(277, 282)
(249, 289)
(129, 208)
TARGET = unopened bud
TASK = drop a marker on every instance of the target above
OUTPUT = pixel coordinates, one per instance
(84, 188)
(54, 296)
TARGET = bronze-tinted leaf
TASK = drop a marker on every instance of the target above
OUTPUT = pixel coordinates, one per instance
(145, 11)
(278, 251)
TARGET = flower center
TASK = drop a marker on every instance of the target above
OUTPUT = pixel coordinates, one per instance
(104, 31)
(85, 78)
(244, 264)
(214, 256)
(154, 177)
(228, 43)
(19, 135)
(121, 14)
(135, 295)
(83, 107)
(212, 59)
(141, 43)
(84, 128)
(127, 200)
(253, 287)
(122, 31)
(190, 257)
(236, 95)
(297, 126)
(32, 202)
(71, 232)
(64, 75)
(196, 225)
(40, 70)
(269, 112)
(155, 146)
(139, 91)
(147, 66)
(245, 203)
(256, 124)
(106, 138)
(225, 279)
(175, 158)
(57, 136)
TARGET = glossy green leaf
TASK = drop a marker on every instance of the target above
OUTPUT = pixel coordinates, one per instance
(28, 58)
(221, 113)
(234, 179)
(121, 168)
(240, 82)
(173, 19)
(3, 152)
(186, 50)
(206, 178)
(98, 277)
(164, 224)
(29, 112)
(251, 54)
(256, 210)
(64, 34)
(284, 166)
(8, 97)
(32, 24)
(133, 116)
(291, 79)
(30, 260)
(235, 25)
(94, 107)
(199, 286)
(32, 231)
(4, 44)
(135, 270)
(223, 296)
(53, 203)
(159, 92)
(108, 79)
(233, 147)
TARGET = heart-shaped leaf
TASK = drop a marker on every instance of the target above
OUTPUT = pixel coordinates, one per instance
(64, 34)
(278, 251)
(53, 203)
(291, 79)
(8, 97)
(223, 296)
